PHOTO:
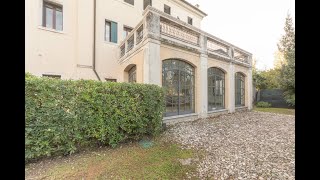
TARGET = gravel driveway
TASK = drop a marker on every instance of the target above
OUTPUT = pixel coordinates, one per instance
(244, 145)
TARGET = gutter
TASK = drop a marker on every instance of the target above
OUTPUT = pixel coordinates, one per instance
(94, 41)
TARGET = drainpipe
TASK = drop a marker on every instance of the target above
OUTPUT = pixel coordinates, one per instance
(94, 40)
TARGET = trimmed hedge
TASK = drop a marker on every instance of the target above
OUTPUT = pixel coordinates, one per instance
(64, 115)
(263, 104)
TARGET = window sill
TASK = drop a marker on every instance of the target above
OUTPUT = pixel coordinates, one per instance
(111, 43)
(179, 116)
(215, 111)
(51, 30)
(241, 107)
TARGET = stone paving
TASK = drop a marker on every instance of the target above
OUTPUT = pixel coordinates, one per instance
(243, 145)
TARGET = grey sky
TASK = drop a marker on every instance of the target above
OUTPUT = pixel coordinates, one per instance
(254, 25)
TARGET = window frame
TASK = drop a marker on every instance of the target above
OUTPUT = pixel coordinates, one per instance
(166, 7)
(110, 80)
(128, 2)
(240, 89)
(111, 38)
(189, 18)
(216, 73)
(144, 4)
(123, 30)
(55, 7)
(132, 74)
(52, 76)
(180, 97)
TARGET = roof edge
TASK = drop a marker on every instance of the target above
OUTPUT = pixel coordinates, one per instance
(195, 8)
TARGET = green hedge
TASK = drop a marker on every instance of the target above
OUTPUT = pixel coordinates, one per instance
(263, 104)
(64, 115)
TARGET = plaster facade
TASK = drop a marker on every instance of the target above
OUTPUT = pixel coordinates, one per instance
(80, 50)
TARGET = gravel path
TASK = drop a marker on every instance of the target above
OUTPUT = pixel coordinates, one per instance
(244, 145)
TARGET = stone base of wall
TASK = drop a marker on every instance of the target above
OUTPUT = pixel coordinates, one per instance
(192, 117)
(181, 118)
(240, 109)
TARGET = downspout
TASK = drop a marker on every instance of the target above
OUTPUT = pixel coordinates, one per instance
(94, 40)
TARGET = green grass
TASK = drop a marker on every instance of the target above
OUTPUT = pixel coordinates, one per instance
(276, 110)
(131, 161)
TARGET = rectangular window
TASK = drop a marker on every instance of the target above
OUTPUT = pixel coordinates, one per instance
(52, 76)
(167, 9)
(129, 2)
(126, 31)
(190, 20)
(146, 3)
(111, 31)
(52, 16)
(110, 80)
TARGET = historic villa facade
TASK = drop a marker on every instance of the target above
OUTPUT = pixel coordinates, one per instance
(144, 41)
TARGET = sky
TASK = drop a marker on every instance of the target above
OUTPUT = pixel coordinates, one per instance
(253, 25)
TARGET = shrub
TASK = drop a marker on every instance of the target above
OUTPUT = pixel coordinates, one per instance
(263, 104)
(64, 115)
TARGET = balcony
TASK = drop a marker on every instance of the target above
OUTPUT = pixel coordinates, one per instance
(174, 32)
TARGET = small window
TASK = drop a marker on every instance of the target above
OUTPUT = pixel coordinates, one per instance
(52, 76)
(126, 31)
(146, 3)
(111, 31)
(129, 2)
(167, 9)
(110, 80)
(52, 16)
(190, 20)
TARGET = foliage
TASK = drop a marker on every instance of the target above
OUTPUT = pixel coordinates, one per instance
(268, 79)
(64, 115)
(263, 104)
(287, 47)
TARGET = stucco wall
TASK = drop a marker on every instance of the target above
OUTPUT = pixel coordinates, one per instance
(47, 51)
(70, 53)
(134, 59)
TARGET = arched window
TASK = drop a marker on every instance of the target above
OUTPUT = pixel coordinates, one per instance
(132, 74)
(178, 80)
(239, 89)
(215, 89)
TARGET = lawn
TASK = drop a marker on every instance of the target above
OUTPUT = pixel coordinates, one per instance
(128, 161)
(276, 110)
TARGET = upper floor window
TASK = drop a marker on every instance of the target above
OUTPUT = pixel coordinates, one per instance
(111, 31)
(126, 31)
(146, 3)
(167, 9)
(129, 2)
(52, 16)
(190, 20)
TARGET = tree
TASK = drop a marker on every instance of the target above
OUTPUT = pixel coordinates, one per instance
(265, 79)
(278, 60)
(286, 46)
